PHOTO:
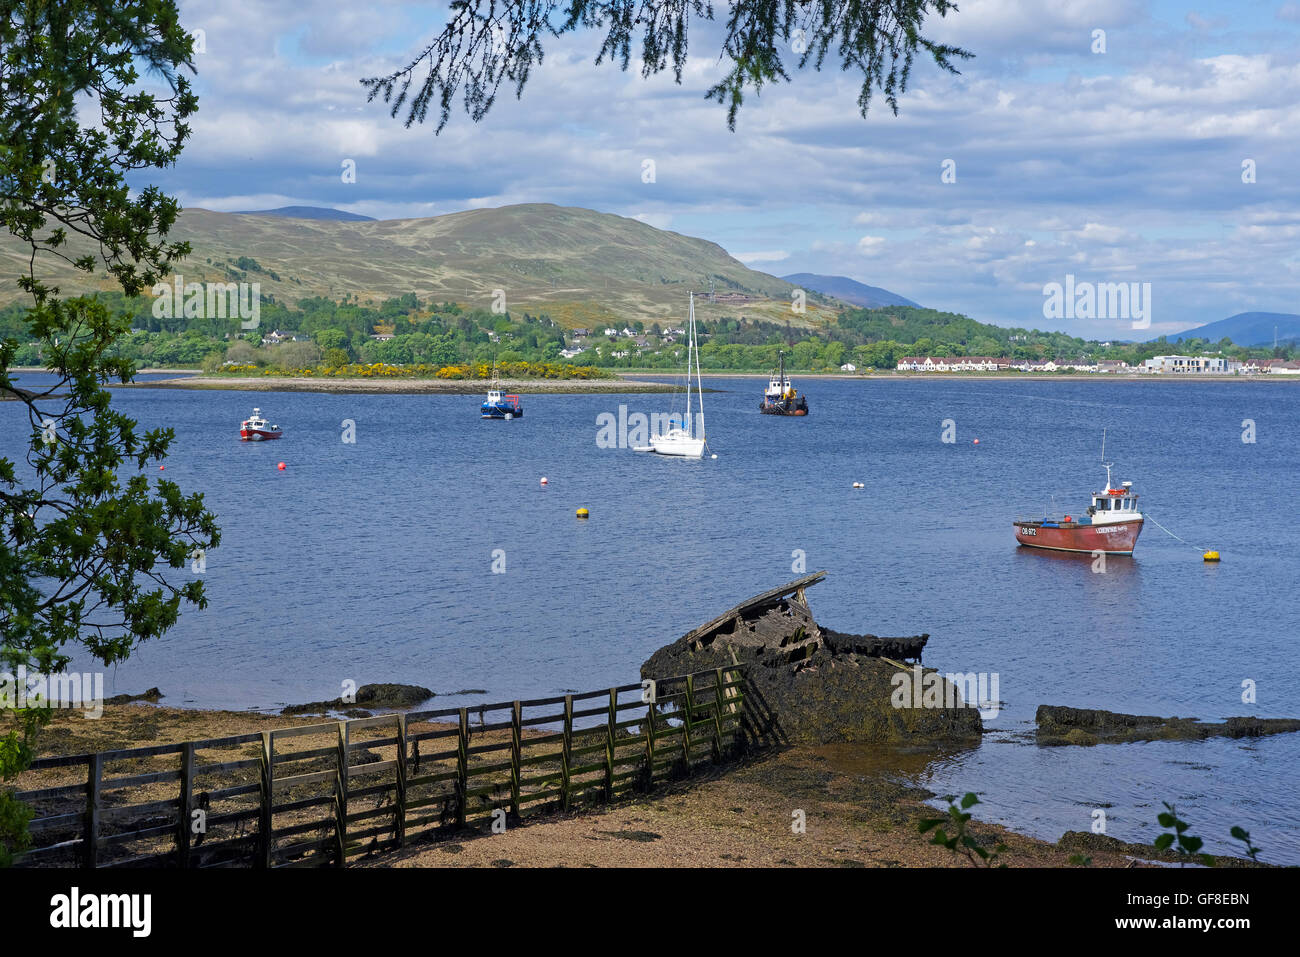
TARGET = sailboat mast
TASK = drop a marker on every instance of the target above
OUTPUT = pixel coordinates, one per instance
(690, 345)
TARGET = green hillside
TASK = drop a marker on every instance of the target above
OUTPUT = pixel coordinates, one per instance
(578, 266)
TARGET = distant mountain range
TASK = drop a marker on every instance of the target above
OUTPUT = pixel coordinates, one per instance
(1247, 329)
(848, 290)
(583, 268)
(309, 212)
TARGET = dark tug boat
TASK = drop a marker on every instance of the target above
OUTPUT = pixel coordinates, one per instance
(780, 397)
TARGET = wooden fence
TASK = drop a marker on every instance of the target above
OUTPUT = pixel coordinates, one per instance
(362, 785)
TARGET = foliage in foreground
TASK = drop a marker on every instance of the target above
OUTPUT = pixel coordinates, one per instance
(958, 837)
(92, 90)
(487, 42)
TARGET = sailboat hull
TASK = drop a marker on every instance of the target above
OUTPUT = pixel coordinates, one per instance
(683, 447)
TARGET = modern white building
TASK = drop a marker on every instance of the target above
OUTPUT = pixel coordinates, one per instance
(1187, 365)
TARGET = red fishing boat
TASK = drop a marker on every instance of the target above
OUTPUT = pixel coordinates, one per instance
(1111, 525)
(257, 429)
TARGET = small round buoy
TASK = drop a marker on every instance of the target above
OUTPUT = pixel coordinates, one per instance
(280, 466)
(977, 441)
(1211, 556)
(582, 513)
(543, 479)
(162, 468)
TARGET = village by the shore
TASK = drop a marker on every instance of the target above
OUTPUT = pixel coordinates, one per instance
(1202, 365)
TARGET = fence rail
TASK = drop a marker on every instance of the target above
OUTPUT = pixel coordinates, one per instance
(358, 786)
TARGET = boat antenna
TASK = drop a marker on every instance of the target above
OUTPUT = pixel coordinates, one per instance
(1104, 464)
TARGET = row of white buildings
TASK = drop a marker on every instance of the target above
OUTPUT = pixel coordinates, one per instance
(1157, 365)
(990, 364)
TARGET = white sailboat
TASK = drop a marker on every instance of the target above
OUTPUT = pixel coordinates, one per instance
(681, 442)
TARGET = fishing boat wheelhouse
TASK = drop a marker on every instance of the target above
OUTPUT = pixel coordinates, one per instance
(500, 406)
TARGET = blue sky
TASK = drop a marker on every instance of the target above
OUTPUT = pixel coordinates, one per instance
(1124, 166)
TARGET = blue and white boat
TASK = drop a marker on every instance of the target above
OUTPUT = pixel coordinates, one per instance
(501, 406)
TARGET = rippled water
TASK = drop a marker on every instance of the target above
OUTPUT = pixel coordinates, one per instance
(373, 562)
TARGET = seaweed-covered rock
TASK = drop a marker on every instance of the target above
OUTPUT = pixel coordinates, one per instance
(152, 695)
(810, 685)
(1059, 725)
(376, 697)
(392, 696)
(1085, 842)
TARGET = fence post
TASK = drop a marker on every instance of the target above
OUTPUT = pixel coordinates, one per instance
(341, 798)
(264, 842)
(686, 724)
(609, 744)
(516, 755)
(90, 835)
(186, 796)
(399, 817)
(717, 715)
(462, 767)
(649, 780)
(565, 755)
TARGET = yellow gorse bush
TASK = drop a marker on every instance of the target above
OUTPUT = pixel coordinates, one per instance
(383, 370)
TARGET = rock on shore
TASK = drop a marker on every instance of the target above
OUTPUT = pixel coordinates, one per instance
(373, 696)
(1059, 725)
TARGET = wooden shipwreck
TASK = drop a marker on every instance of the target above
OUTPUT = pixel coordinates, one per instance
(812, 684)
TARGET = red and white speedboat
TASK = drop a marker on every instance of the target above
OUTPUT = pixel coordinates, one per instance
(1112, 525)
(256, 429)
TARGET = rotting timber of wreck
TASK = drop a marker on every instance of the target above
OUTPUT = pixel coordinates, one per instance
(814, 685)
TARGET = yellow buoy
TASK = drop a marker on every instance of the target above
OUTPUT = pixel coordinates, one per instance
(1211, 556)
(582, 513)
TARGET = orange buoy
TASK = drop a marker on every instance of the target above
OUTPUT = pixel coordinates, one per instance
(977, 441)
(280, 466)
(161, 468)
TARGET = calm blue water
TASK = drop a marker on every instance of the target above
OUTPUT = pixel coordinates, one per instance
(372, 562)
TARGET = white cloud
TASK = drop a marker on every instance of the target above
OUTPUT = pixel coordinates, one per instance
(770, 256)
(657, 220)
(1066, 161)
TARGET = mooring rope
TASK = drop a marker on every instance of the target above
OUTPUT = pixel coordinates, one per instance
(1167, 532)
